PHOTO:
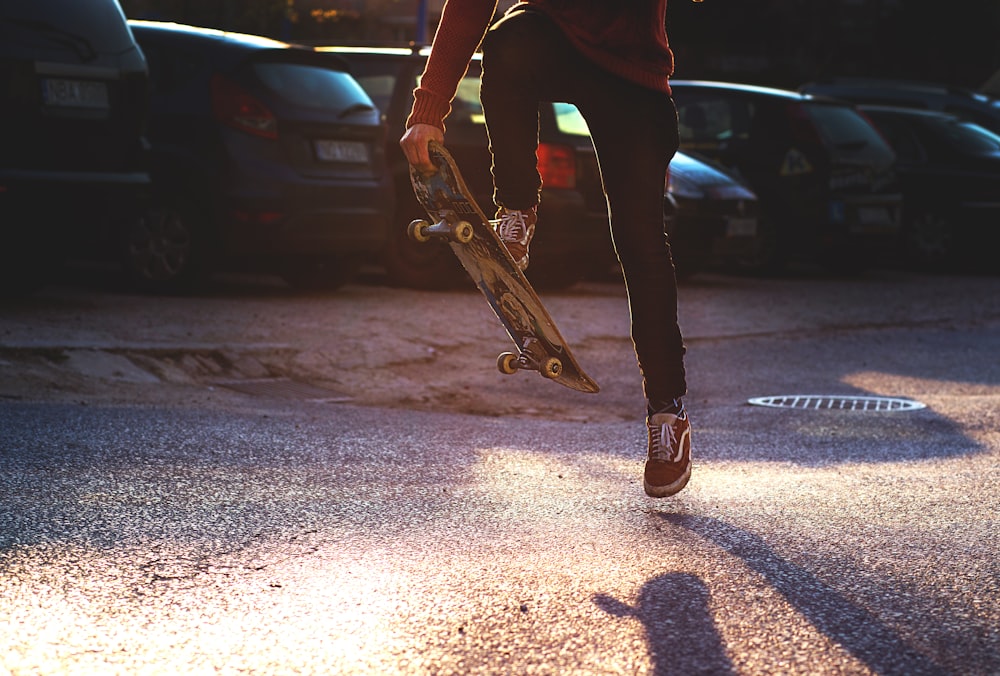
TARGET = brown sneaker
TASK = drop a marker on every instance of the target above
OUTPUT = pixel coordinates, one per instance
(516, 227)
(668, 466)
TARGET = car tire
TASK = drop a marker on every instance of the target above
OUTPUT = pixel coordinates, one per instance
(771, 257)
(419, 265)
(167, 250)
(929, 241)
(327, 273)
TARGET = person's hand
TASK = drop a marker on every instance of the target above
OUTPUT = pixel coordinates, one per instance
(414, 144)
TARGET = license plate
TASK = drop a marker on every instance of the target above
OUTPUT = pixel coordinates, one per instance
(75, 93)
(875, 216)
(341, 151)
(741, 227)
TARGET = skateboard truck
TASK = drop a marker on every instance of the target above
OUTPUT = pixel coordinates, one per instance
(447, 228)
(510, 363)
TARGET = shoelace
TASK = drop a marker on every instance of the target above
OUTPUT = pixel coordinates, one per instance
(664, 452)
(512, 226)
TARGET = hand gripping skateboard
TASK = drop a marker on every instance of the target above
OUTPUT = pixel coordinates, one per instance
(456, 218)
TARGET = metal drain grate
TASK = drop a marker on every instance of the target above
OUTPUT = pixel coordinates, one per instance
(283, 388)
(824, 402)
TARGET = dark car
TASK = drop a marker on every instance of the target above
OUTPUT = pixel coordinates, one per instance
(823, 175)
(572, 240)
(73, 89)
(950, 173)
(977, 107)
(710, 215)
(265, 156)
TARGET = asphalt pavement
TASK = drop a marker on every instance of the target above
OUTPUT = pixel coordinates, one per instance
(231, 534)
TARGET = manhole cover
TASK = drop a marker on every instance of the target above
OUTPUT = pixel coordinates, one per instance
(283, 388)
(824, 402)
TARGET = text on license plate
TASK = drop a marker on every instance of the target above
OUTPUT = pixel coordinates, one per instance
(74, 93)
(341, 151)
(875, 216)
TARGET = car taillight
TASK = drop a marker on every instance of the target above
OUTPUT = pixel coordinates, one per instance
(557, 165)
(234, 107)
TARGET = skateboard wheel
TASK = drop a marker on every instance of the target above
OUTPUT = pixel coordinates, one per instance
(464, 232)
(552, 368)
(507, 363)
(417, 231)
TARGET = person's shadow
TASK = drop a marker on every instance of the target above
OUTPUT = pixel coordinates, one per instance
(680, 632)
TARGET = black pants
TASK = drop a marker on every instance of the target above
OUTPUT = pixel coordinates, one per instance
(527, 60)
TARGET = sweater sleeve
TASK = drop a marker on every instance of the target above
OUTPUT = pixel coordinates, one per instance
(462, 28)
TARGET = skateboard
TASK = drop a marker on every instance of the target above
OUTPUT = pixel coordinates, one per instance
(457, 219)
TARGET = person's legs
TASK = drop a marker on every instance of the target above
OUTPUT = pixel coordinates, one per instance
(527, 60)
(635, 134)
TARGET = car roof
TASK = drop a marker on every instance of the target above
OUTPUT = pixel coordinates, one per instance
(249, 42)
(905, 110)
(231, 48)
(401, 51)
(747, 89)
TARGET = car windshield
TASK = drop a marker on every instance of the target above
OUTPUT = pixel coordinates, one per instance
(845, 129)
(312, 86)
(569, 120)
(83, 26)
(966, 136)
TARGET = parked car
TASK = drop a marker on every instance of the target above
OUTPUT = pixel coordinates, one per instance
(823, 175)
(711, 217)
(265, 156)
(950, 173)
(977, 107)
(572, 240)
(72, 159)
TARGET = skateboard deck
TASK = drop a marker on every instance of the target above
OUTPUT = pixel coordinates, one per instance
(456, 218)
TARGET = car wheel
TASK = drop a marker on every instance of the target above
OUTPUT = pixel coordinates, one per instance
(419, 265)
(166, 250)
(25, 268)
(930, 241)
(327, 273)
(770, 257)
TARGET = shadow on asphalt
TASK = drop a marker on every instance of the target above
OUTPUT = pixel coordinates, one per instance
(675, 611)
(859, 632)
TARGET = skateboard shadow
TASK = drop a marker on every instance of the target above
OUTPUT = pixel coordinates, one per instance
(859, 632)
(680, 632)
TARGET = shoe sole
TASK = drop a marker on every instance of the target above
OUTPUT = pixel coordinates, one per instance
(669, 489)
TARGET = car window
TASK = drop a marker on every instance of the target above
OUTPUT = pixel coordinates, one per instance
(847, 131)
(902, 139)
(569, 120)
(966, 136)
(84, 26)
(707, 121)
(377, 77)
(312, 86)
(379, 88)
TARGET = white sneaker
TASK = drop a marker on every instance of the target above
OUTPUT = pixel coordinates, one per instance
(515, 228)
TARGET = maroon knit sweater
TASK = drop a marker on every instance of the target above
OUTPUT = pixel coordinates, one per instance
(625, 37)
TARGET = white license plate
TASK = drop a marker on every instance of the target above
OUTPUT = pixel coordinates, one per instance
(341, 151)
(741, 227)
(74, 93)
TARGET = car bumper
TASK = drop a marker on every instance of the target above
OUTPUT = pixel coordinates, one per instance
(567, 230)
(308, 219)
